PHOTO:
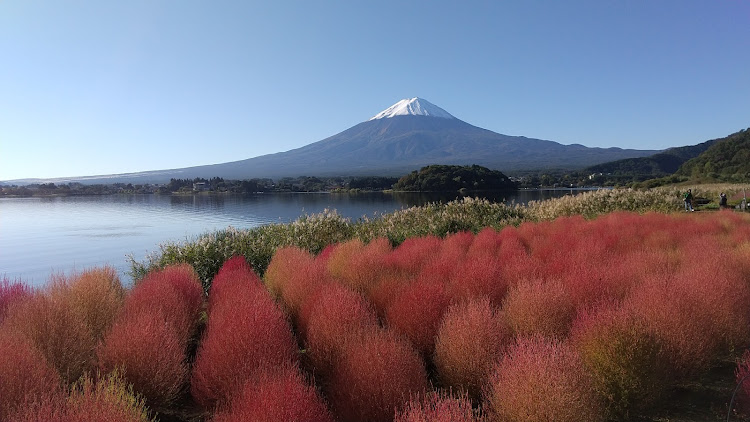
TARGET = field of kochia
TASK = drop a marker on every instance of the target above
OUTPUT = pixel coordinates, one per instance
(563, 320)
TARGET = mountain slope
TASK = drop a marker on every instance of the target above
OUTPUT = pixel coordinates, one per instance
(409, 135)
(657, 165)
(728, 159)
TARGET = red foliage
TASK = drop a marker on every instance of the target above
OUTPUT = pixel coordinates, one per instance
(540, 379)
(108, 400)
(539, 308)
(286, 262)
(357, 265)
(409, 257)
(436, 407)
(375, 378)
(293, 275)
(513, 253)
(417, 310)
(479, 276)
(54, 328)
(486, 243)
(244, 333)
(25, 375)
(235, 275)
(175, 293)
(330, 319)
(701, 313)
(470, 341)
(382, 294)
(10, 293)
(150, 356)
(279, 394)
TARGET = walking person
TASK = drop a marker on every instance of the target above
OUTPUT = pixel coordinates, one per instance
(688, 198)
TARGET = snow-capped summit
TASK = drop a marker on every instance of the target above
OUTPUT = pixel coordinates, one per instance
(414, 107)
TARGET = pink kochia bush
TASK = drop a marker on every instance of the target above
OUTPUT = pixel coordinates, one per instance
(245, 334)
(276, 394)
(375, 378)
(149, 339)
(331, 319)
(10, 293)
(470, 341)
(150, 356)
(175, 292)
(293, 275)
(25, 375)
(540, 379)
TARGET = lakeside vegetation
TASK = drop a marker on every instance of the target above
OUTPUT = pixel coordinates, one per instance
(607, 305)
(314, 232)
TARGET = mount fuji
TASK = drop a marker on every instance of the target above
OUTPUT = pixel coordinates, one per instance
(406, 136)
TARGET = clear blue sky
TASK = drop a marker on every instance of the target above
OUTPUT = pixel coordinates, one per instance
(100, 87)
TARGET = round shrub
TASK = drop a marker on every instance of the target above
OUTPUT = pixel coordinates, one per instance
(244, 333)
(331, 318)
(470, 341)
(25, 375)
(278, 394)
(539, 307)
(374, 378)
(541, 379)
(628, 366)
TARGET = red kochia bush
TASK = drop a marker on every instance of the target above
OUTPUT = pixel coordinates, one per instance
(107, 400)
(409, 257)
(539, 307)
(479, 276)
(235, 275)
(245, 332)
(293, 275)
(285, 263)
(436, 407)
(278, 394)
(470, 341)
(330, 319)
(150, 356)
(357, 265)
(417, 310)
(25, 375)
(175, 292)
(10, 293)
(542, 380)
(54, 328)
(700, 313)
(375, 378)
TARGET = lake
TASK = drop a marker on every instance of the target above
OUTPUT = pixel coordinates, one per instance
(54, 235)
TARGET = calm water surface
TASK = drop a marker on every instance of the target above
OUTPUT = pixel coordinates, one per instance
(44, 236)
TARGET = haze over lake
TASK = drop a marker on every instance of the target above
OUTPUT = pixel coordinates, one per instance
(44, 236)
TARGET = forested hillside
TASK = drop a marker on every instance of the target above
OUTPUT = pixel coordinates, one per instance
(443, 178)
(657, 165)
(726, 160)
